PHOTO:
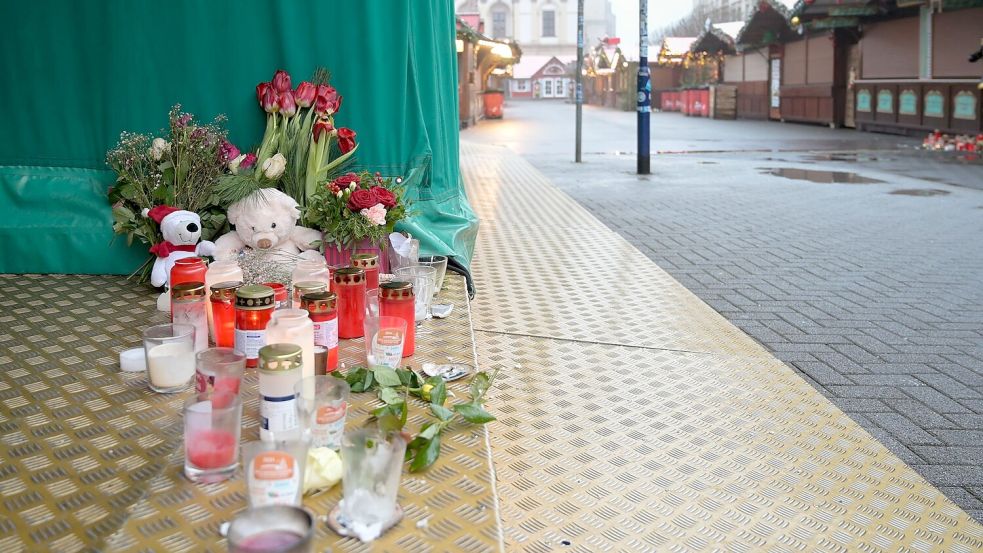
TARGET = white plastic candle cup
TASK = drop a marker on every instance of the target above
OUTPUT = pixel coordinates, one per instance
(272, 529)
(170, 351)
(322, 404)
(275, 472)
(212, 425)
(384, 337)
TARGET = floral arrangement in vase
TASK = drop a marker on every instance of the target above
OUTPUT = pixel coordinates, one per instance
(357, 208)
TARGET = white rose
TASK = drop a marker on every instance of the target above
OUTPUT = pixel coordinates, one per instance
(234, 164)
(158, 147)
(274, 166)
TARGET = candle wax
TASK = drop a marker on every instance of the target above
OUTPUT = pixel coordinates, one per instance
(269, 541)
(171, 365)
(211, 448)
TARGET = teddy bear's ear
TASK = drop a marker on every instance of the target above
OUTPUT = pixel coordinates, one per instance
(233, 213)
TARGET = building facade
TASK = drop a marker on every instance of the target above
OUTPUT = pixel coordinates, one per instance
(724, 10)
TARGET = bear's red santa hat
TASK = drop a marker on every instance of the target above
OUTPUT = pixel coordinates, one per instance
(160, 212)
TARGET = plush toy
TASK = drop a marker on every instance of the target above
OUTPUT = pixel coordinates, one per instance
(181, 230)
(266, 220)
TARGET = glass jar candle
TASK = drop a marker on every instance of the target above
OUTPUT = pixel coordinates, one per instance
(279, 294)
(310, 270)
(306, 287)
(322, 309)
(223, 324)
(396, 300)
(349, 285)
(188, 306)
(220, 271)
(293, 326)
(280, 368)
(254, 307)
(368, 262)
(188, 269)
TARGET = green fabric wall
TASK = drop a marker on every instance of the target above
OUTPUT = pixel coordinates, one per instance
(76, 74)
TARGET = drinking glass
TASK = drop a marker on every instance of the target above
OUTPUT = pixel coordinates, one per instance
(423, 279)
(438, 262)
(272, 529)
(396, 260)
(170, 351)
(219, 370)
(372, 303)
(373, 464)
(275, 472)
(384, 337)
(322, 403)
(212, 424)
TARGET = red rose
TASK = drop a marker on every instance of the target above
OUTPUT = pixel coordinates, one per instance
(361, 199)
(346, 140)
(384, 197)
(343, 181)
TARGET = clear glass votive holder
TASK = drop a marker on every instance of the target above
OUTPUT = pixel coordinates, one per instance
(439, 263)
(322, 404)
(372, 303)
(384, 337)
(423, 279)
(219, 370)
(170, 351)
(272, 529)
(275, 472)
(373, 466)
(212, 425)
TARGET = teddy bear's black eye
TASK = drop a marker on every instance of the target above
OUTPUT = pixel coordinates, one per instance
(273, 225)
(254, 229)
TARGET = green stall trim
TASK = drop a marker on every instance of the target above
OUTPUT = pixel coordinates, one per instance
(76, 74)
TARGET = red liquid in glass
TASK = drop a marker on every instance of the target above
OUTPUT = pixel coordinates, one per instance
(211, 449)
(269, 541)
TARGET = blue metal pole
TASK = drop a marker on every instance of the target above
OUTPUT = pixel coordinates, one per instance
(644, 89)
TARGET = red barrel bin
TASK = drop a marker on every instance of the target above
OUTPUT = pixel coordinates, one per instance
(493, 100)
(668, 101)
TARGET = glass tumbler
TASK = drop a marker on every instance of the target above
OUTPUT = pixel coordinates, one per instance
(384, 337)
(272, 529)
(219, 370)
(212, 424)
(423, 279)
(170, 351)
(372, 470)
(438, 262)
(322, 404)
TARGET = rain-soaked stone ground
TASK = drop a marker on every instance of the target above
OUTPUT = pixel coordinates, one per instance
(854, 257)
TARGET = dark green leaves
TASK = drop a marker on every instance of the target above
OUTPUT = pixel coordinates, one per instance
(473, 413)
(424, 452)
(386, 377)
(441, 412)
(438, 394)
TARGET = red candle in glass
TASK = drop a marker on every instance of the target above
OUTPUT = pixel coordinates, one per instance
(223, 300)
(396, 300)
(212, 448)
(349, 285)
(279, 294)
(188, 269)
(254, 307)
(322, 309)
(368, 262)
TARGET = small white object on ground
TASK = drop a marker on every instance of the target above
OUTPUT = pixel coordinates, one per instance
(132, 360)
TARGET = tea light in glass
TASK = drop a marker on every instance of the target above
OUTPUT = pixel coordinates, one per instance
(170, 351)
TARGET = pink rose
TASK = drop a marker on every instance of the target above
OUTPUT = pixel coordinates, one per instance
(376, 214)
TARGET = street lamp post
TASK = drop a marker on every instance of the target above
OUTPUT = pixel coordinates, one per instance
(579, 99)
(644, 89)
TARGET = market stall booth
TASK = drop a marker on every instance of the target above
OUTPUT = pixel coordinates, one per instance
(667, 82)
(915, 75)
(483, 67)
(756, 70)
(711, 49)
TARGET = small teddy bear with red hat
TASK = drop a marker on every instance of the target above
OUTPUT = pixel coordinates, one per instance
(182, 231)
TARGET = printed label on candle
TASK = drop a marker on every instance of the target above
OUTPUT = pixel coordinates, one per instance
(274, 479)
(329, 425)
(248, 342)
(387, 347)
(326, 333)
(278, 414)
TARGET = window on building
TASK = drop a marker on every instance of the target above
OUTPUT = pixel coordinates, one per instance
(548, 88)
(549, 23)
(499, 27)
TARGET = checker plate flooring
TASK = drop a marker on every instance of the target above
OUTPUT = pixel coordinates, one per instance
(633, 417)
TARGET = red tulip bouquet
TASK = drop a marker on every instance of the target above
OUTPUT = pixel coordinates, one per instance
(356, 207)
(301, 145)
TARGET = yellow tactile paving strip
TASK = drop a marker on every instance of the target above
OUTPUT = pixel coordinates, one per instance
(634, 418)
(92, 460)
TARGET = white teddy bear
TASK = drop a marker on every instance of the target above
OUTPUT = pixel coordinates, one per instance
(181, 231)
(267, 220)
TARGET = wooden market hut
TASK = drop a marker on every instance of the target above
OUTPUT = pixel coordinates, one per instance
(606, 74)
(910, 70)
(759, 59)
(708, 53)
(666, 77)
(483, 64)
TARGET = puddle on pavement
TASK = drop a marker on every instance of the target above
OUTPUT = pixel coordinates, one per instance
(849, 158)
(920, 192)
(811, 175)
(707, 162)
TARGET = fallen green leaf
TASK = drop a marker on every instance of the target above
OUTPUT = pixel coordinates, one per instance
(472, 412)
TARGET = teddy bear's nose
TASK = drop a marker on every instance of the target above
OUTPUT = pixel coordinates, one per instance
(264, 243)
(192, 227)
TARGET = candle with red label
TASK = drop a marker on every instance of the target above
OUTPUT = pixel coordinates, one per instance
(322, 309)
(254, 307)
(368, 262)
(350, 286)
(396, 300)
(223, 298)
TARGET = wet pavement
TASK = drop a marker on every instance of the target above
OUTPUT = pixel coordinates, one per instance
(855, 258)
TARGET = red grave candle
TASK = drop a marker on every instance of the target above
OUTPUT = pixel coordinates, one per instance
(223, 299)
(188, 269)
(396, 300)
(349, 284)
(279, 294)
(254, 307)
(322, 309)
(368, 262)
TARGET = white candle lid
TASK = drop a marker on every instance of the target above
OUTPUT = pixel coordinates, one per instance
(132, 360)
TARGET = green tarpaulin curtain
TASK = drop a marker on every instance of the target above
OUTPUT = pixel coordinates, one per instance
(76, 74)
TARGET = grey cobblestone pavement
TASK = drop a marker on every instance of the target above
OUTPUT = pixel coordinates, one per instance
(872, 291)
